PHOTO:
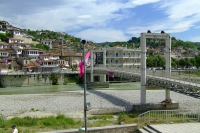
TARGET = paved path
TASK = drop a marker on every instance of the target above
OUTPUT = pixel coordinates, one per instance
(178, 128)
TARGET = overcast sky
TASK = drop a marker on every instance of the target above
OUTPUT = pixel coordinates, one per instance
(106, 20)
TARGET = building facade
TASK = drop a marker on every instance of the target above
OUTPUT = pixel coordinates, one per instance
(117, 57)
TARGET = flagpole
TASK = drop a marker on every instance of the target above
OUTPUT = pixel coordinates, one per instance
(85, 106)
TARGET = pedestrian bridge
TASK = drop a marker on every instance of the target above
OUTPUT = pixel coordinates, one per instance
(179, 81)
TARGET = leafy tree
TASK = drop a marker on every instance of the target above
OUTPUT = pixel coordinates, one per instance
(3, 37)
(193, 62)
(54, 78)
(9, 34)
(4, 26)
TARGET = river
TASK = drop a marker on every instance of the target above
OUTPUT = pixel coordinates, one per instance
(69, 87)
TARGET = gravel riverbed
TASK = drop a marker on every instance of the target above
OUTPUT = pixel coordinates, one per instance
(71, 102)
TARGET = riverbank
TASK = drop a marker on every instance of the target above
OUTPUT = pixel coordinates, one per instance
(70, 103)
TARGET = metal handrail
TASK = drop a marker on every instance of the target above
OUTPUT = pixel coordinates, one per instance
(168, 116)
(159, 73)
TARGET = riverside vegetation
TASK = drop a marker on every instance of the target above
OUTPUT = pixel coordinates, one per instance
(60, 122)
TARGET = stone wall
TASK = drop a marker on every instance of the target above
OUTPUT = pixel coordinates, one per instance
(27, 80)
(129, 128)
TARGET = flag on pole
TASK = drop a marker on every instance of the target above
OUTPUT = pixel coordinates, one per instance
(5, 60)
(81, 64)
(110, 74)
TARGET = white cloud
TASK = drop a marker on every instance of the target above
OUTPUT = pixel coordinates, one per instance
(179, 19)
(181, 9)
(69, 15)
(102, 35)
(142, 2)
(195, 39)
(74, 16)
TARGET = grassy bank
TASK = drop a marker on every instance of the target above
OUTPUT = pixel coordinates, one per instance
(60, 122)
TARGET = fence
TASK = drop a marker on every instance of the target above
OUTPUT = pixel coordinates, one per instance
(168, 116)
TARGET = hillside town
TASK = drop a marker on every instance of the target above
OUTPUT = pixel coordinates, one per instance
(18, 53)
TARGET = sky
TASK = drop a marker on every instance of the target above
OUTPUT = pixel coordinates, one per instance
(106, 20)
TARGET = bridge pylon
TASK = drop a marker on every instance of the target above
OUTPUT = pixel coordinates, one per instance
(143, 37)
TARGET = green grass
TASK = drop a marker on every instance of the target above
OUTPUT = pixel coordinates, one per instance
(61, 122)
(28, 124)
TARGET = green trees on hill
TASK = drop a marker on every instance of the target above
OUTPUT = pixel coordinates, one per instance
(47, 34)
(3, 37)
(159, 61)
(41, 46)
(155, 61)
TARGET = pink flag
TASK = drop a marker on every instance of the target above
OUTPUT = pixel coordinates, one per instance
(5, 60)
(81, 64)
(110, 74)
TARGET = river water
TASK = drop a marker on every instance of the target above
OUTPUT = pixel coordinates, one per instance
(69, 87)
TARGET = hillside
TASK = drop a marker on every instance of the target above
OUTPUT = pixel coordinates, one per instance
(134, 42)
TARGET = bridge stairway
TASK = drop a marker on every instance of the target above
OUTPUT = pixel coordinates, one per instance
(148, 129)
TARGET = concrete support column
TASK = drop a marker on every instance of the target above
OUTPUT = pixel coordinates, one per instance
(104, 63)
(168, 56)
(104, 58)
(104, 78)
(168, 64)
(143, 68)
(167, 94)
(91, 66)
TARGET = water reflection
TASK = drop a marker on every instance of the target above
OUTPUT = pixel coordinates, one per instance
(70, 87)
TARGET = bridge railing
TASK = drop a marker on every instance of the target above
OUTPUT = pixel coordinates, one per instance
(168, 116)
(175, 75)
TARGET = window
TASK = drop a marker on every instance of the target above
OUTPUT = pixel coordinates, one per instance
(116, 54)
(116, 61)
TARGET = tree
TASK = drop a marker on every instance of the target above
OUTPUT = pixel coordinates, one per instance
(9, 34)
(54, 78)
(3, 37)
(193, 62)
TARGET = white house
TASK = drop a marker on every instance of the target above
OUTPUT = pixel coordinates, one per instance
(118, 57)
(4, 53)
(14, 40)
(49, 56)
(17, 32)
(3, 45)
(32, 53)
(47, 42)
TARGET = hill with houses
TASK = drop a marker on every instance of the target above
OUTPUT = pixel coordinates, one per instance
(24, 49)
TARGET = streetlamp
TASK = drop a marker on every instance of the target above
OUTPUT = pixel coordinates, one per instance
(85, 105)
